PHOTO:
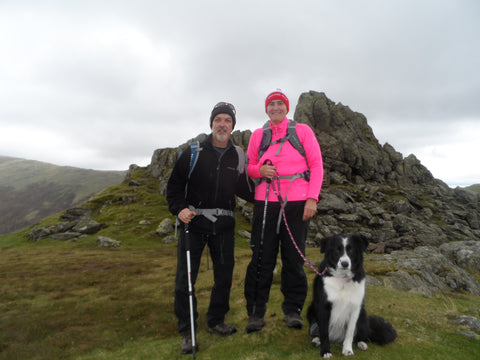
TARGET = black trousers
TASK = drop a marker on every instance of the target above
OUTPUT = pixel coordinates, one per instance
(259, 277)
(222, 252)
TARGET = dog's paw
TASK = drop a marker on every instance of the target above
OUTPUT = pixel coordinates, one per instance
(327, 355)
(347, 351)
(362, 345)
(316, 342)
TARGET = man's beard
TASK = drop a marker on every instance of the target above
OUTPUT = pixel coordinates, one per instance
(221, 137)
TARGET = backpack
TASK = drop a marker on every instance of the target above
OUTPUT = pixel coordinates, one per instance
(291, 136)
(195, 150)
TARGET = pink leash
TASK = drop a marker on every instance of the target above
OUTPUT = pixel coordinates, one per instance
(291, 235)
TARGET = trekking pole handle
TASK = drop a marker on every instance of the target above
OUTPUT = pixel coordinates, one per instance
(187, 238)
(268, 162)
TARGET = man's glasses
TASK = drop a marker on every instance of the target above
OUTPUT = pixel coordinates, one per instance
(226, 104)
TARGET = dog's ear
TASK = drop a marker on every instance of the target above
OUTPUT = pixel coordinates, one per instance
(324, 244)
(362, 240)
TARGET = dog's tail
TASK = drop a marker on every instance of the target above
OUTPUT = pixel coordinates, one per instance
(381, 331)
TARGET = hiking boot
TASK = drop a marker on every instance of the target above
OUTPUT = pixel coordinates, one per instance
(293, 320)
(223, 329)
(254, 324)
(187, 347)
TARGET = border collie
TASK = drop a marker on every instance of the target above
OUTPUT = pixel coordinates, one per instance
(337, 313)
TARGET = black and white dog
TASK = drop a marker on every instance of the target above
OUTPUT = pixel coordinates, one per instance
(337, 313)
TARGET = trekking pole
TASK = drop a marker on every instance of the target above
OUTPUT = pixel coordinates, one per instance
(208, 263)
(262, 238)
(190, 288)
(267, 162)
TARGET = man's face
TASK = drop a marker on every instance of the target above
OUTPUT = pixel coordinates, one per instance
(222, 127)
(276, 111)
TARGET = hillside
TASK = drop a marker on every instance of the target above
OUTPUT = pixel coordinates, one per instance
(475, 187)
(76, 300)
(31, 190)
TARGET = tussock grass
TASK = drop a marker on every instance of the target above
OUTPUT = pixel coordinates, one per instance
(72, 300)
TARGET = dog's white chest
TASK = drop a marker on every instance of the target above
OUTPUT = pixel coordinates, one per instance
(346, 298)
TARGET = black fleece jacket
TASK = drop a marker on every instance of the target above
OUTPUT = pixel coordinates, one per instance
(213, 183)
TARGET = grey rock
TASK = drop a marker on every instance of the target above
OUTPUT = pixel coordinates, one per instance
(69, 235)
(165, 227)
(169, 239)
(425, 270)
(103, 241)
(465, 254)
(470, 322)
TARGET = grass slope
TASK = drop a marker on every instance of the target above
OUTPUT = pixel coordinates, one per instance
(72, 300)
(475, 187)
(31, 190)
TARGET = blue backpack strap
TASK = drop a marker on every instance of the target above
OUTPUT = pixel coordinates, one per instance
(194, 150)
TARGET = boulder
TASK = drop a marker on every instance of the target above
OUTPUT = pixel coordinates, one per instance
(88, 226)
(470, 322)
(165, 227)
(465, 254)
(69, 235)
(103, 241)
(425, 270)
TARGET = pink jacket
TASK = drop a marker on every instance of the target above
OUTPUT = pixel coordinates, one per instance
(288, 162)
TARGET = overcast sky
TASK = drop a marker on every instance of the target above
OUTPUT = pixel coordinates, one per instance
(102, 84)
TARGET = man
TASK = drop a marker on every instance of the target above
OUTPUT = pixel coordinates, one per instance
(204, 198)
(288, 165)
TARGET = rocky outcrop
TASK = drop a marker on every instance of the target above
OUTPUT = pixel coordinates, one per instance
(368, 188)
(426, 233)
(73, 224)
(428, 269)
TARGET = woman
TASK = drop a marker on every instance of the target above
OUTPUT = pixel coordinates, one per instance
(290, 177)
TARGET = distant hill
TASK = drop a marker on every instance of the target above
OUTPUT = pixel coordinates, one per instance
(31, 190)
(475, 187)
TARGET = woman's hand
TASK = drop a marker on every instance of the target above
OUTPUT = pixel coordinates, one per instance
(268, 171)
(310, 209)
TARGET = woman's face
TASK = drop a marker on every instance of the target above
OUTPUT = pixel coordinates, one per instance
(276, 111)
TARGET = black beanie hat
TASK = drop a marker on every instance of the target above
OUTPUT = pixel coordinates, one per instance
(223, 108)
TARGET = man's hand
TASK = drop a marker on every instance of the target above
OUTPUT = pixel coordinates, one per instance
(186, 215)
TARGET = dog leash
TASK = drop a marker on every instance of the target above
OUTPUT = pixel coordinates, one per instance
(280, 200)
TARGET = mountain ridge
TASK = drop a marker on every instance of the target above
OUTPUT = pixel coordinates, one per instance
(31, 190)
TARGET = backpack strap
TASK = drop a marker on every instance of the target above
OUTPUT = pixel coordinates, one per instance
(242, 159)
(194, 151)
(291, 136)
(266, 140)
(242, 165)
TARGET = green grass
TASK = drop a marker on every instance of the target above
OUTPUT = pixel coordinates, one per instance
(72, 300)
(475, 187)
